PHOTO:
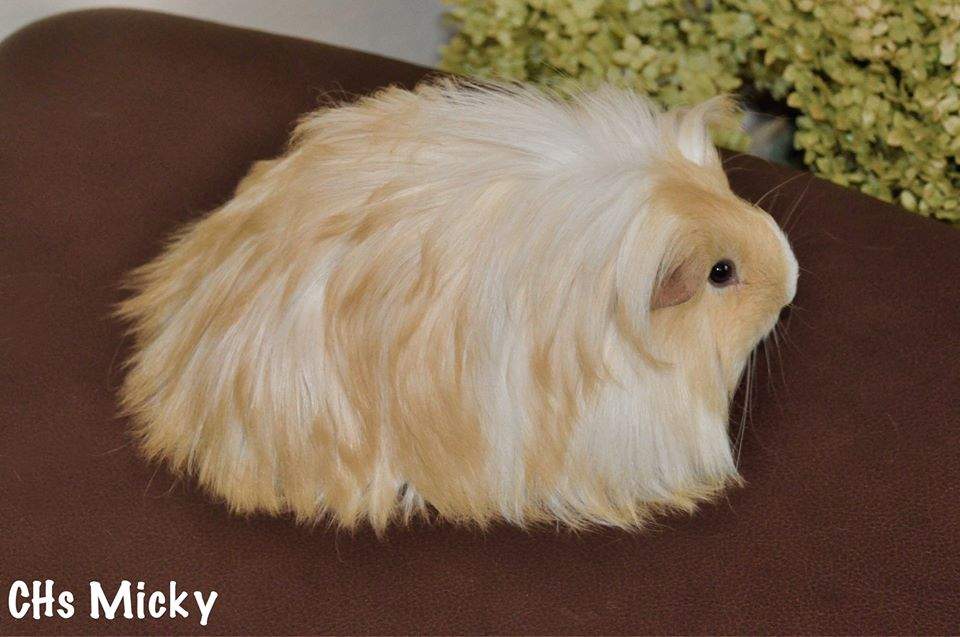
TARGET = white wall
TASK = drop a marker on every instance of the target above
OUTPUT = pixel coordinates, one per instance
(407, 29)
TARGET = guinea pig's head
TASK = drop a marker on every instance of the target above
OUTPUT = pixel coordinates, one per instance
(725, 277)
(724, 270)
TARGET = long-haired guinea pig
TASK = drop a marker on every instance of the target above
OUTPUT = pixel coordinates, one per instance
(469, 302)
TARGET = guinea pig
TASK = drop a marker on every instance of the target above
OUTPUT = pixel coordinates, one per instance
(463, 302)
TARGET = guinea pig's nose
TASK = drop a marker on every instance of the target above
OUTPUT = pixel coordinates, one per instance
(784, 313)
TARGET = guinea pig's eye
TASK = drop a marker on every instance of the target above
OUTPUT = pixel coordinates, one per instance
(722, 273)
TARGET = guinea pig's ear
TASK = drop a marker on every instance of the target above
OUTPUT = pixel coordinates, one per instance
(692, 128)
(676, 283)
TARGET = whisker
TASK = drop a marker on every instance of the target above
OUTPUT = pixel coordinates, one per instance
(745, 414)
(803, 322)
(766, 355)
(733, 157)
(150, 481)
(796, 206)
(777, 187)
(114, 450)
(786, 329)
(776, 340)
(788, 341)
(744, 417)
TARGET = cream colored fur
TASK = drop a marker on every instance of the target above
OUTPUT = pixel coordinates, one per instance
(452, 297)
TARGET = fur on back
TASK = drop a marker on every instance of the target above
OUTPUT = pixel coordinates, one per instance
(443, 297)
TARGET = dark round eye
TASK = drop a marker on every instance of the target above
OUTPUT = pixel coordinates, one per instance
(722, 273)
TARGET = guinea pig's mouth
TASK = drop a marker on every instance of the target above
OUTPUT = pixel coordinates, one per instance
(781, 318)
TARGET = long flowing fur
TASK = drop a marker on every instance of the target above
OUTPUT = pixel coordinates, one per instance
(446, 297)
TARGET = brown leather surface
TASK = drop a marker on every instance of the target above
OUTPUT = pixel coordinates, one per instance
(117, 126)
